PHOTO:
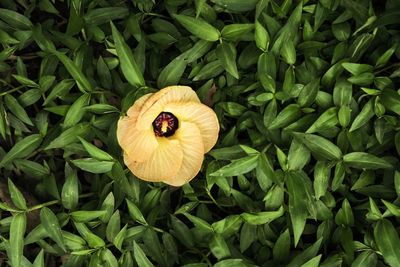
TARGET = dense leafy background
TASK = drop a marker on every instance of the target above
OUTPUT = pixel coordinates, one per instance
(305, 170)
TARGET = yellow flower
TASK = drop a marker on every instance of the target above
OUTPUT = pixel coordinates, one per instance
(166, 134)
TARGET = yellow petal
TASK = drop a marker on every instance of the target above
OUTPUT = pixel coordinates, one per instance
(126, 125)
(162, 165)
(155, 104)
(134, 110)
(140, 145)
(193, 153)
(201, 115)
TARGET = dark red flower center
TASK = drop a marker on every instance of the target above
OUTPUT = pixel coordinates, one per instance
(165, 124)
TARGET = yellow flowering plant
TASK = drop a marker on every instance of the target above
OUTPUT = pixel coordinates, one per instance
(165, 135)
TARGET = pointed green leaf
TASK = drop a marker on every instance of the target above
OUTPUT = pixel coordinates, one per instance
(198, 27)
(50, 223)
(128, 65)
(75, 72)
(320, 146)
(17, 197)
(237, 167)
(22, 149)
(387, 240)
(140, 257)
(172, 73)
(226, 54)
(363, 160)
(16, 239)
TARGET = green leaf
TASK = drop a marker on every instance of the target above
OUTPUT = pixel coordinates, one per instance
(325, 121)
(262, 217)
(235, 31)
(357, 69)
(261, 36)
(22, 149)
(140, 257)
(281, 247)
(306, 255)
(128, 65)
(17, 197)
(309, 93)
(17, 109)
(15, 19)
(363, 160)
(299, 189)
(391, 100)
(95, 152)
(172, 73)
(226, 53)
(16, 239)
(237, 167)
(86, 215)
(288, 115)
(52, 227)
(108, 258)
(345, 215)
(321, 178)
(248, 235)
(385, 57)
(93, 240)
(209, 71)
(113, 226)
(103, 15)
(393, 209)
(219, 248)
(70, 189)
(265, 172)
(298, 156)
(366, 258)
(387, 240)
(75, 72)
(228, 226)
(339, 175)
(363, 117)
(69, 136)
(75, 112)
(288, 52)
(200, 48)
(364, 79)
(25, 81)
(135, 212)
(198, 27)
(39, 260)
(198, 222)
(342, 93)
(236, 5)
(61, 89)
(319, 146)
(93, 165)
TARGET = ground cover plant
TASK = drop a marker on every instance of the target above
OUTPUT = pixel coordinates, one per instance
(305, 170)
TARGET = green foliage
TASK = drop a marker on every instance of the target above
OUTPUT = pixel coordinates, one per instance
(306, 169)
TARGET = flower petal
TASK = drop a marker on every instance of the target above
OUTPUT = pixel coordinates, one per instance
(155, 104)
(134, 110)
(190, 139)
(162, 165)
(126, 125)
(140, 145)
(201, 115)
